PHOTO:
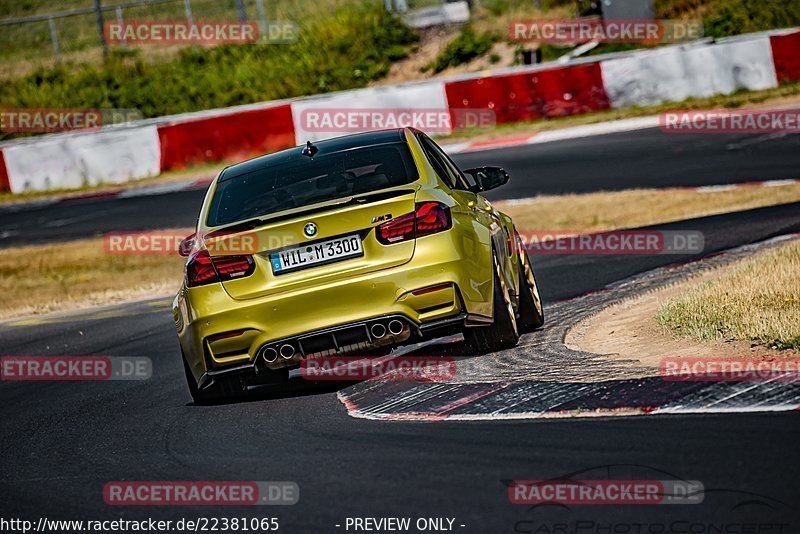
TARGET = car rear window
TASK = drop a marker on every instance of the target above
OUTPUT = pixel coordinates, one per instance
(306, 182)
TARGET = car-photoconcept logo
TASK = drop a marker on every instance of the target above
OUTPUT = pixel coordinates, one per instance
(310, 229)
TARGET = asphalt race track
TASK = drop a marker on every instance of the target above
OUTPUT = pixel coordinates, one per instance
(62, 442)
(644, 158)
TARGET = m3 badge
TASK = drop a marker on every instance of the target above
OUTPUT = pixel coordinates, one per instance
(381, 218)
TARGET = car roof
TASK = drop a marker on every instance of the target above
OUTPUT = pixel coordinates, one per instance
(328, 146)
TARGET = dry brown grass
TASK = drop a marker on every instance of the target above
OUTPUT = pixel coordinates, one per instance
(205, 171)
(757, 301)
(41, 278)
(638, 207)
(60, 276)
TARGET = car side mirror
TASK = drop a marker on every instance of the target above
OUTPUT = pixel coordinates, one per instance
(487, 178)
(186, 245)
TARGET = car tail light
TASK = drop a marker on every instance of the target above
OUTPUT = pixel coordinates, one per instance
(230, 267)
(399, 229)
(432, 217)
(202, 269)
(428, 218)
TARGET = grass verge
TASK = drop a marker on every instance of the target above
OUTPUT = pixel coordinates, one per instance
(758, 301)
(637, 207)
(78, 274)
(41, 278)
(205, 171)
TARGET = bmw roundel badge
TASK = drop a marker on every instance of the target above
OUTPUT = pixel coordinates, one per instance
(310, 229)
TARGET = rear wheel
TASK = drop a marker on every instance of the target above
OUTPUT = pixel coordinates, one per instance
(222, 389)
(502, 333)
(531, 312)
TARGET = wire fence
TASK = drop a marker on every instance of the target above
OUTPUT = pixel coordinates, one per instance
(74, 31)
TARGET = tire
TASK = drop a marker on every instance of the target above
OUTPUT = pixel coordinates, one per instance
(531, 312)
(503, 332)
(221, 390)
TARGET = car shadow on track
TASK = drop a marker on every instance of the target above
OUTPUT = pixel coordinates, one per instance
(295, 387)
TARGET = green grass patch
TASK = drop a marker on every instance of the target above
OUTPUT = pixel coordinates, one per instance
(467, 46)
(500, 7)
(343, 49)
(721, 18)
(734, 17)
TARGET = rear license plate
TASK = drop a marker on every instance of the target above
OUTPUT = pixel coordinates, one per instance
(295, 258)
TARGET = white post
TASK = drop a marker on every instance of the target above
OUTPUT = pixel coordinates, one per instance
(118, 11)
(54, 39)
(262, 17)
(187, 7)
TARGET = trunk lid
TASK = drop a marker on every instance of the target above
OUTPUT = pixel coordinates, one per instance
(280, 243)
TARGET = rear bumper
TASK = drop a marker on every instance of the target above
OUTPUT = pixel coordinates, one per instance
(219, 334)
(261, 365)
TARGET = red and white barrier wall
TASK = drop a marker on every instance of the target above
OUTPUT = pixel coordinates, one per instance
(115, 155)
(225, 136)
(786, 56)
(71, 161)
(416, 96)
(678, 73)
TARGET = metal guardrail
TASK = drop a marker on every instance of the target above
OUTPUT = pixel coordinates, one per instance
(79, 29)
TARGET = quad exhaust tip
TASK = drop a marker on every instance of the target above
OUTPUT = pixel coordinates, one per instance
(270, 355)
(287, 351)
(378, 330)
(395, 327)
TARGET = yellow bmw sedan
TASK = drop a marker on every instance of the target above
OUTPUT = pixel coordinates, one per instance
(353, 245)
